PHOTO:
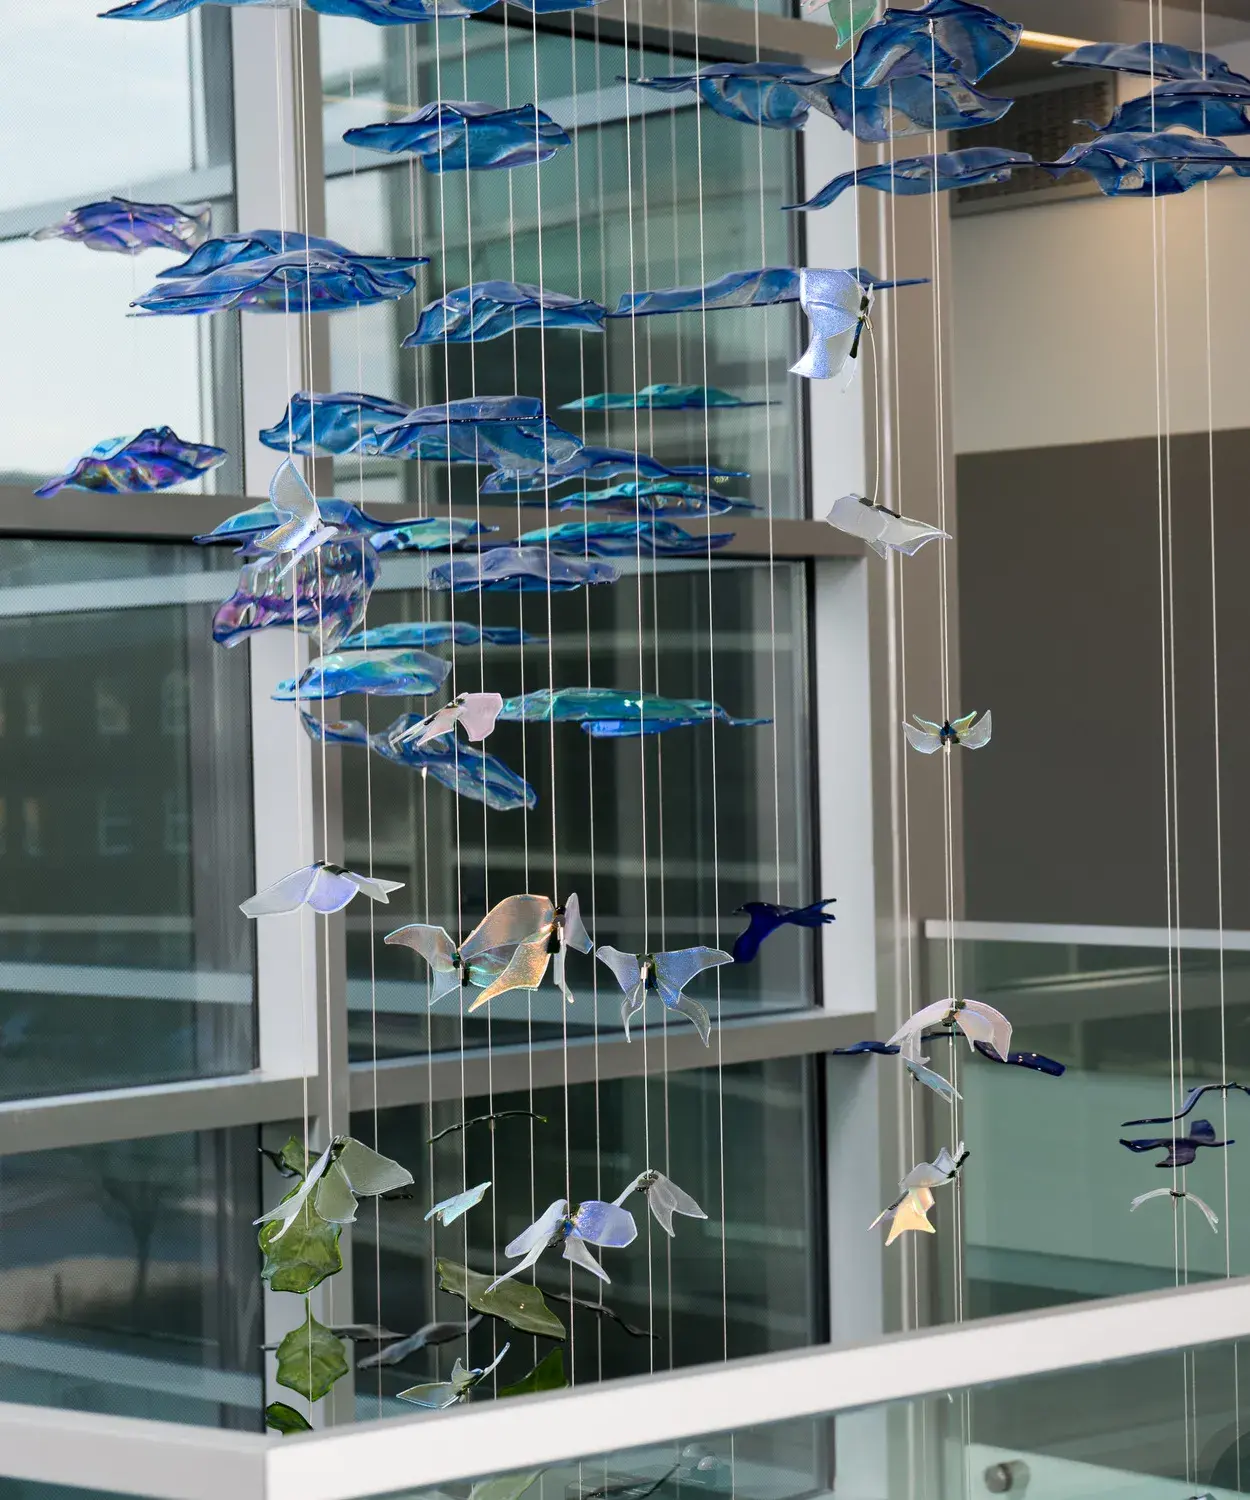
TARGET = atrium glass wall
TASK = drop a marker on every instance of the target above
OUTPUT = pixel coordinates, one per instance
(138, 111)
(125, 820)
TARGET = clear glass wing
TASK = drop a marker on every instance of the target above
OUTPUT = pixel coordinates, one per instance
(982, 1023)
(376, 890)
(541, 1231)
(516, 919)
(525, 971)
(922, 740)
(451, 1209)
(575, 1250)
(604, 1224)
(665, 1199)
(335, 1200)
(290, 496)
(912, 1215)
(478, 713)
(680, 965)
(575, 934)
(287, 894)
(434, 944)
(330, 891)
(370, 1173)
(978, 736)
(625, 966)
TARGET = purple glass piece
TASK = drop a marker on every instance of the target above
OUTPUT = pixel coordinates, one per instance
(332, 587)
(154, 459)
(128, 228)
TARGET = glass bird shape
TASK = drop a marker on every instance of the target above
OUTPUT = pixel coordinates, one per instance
(970, 732)
(326, 888)
(595, 1223)
(665, 974)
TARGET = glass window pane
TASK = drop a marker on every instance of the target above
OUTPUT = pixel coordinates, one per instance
(771, 1296)
(76, 367)
(619, 213)
(456, 860)
(125, 839)
(129, 1279)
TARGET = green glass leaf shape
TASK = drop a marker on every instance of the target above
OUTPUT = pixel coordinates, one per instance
(851, 16)
(519, 1304)
(304, 1256)
(285, 1419)
(310, 1359)
(547, 1375)
(504, 1486)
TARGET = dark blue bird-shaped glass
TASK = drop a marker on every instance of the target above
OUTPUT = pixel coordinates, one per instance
(1180, 1150)
(767, 919)
(1132, 164)
(1191, 1098)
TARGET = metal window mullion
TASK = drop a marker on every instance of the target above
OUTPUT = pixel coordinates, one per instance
(301, 966)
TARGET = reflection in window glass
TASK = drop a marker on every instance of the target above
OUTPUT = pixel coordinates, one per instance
(1161, 1428)
(772, 1246)
(619, 213)
(76, 368)
(662, 838)
(128, 1279)
(1048, 1187)
(123, 959)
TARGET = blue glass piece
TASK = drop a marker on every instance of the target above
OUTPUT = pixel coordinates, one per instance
(766, 918)
(454, 136)
(429, 534)
(767, 288)
(965, 38)
(400, 12)
(598, 463)
(518, 570)
(1214, 108)
(837, 308)
(1181, 1150)
(911, 105)
(604, 1224)
(330, 424)
(670, 497)
(165, 10)
(1191, 1098)
(878, 1049)
(1130, 164)
(1034, 1061)
(127, 227)
(664, 398)
(300, 275)
(334, 731)
(422, 633)
(1164, 62)
(507, 431)
(462, 768)
(625, 539)
(976, 166)
(752, 93)
(386, 674)
(153, 459)
(332, 588)
(611, 713)
(489, 309)
(247, 524)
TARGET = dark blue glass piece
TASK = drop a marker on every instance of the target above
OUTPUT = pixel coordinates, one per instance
(664, 398)
(758, 93)
(262, 518)
(376, 12)
(975, 166)
(421, 634)
(911, 105)
(429, 534)
(669, 497)
(506, 431)
(878, 1049)
(766, 288)
(332, 587)
(954, 34)
(330, 424)
(518, 570)
(453, 136)
(598, 463)
(1212, 108)
(1034, 1061)
(387, 674)
(154, 459)
(1162, 61)
(767, 918)
(1181, 1150)
(611, 713)
(1191, 1098)
(647, 538)
(462, 768)
(300, 275)
(127, 227)
(1134, 165)
(489, 309)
